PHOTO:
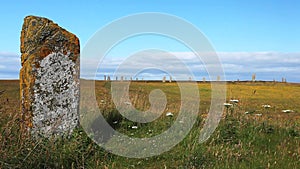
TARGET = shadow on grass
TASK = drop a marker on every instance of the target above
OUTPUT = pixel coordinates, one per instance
(102, 132)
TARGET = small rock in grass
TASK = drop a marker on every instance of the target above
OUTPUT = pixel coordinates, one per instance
(127, 103)
(169, 114)
(266, 106)
(287, 111)
(234, 101)
(227, 105)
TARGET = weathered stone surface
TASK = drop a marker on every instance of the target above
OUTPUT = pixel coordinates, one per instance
(49, 78)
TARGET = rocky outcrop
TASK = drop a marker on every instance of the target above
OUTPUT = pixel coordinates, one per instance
(49, 78)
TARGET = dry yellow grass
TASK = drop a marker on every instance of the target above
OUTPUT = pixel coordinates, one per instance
(251, 96)
(240, 141)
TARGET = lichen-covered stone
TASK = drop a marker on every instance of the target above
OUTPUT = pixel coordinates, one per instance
(49, 78)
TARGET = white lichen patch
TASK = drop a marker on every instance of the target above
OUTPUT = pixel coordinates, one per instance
(56, 96)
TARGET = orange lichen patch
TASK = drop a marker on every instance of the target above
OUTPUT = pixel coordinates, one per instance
(25, 83)
(24, 58)
(44, 51)
(30, 125)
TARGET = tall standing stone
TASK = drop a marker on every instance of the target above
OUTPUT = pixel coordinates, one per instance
(164, 79)
(49, 78)
(253, 77)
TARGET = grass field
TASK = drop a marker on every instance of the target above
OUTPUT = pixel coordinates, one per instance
(262, 138)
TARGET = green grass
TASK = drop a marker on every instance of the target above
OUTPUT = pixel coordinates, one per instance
(240, 141)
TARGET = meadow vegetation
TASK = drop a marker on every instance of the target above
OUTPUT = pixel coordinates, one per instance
(260, 138)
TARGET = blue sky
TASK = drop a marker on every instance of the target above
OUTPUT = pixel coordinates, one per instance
(242, 32)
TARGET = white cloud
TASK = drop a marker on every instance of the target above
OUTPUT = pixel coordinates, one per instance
(236, 65)
(10, 65)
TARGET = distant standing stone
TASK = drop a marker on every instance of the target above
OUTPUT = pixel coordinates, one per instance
(164, 79)
(49, 78)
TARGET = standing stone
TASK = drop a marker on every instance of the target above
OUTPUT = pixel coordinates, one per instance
(164, 79)
(49, 78)
(253, 77)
